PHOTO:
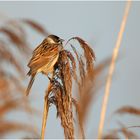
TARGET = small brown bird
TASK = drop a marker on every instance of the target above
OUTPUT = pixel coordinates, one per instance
(44, 58)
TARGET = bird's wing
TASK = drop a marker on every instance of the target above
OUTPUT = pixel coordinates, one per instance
(40, 47)
(42, 58)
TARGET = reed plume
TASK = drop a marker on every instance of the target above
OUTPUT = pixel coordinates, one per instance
(60, 91)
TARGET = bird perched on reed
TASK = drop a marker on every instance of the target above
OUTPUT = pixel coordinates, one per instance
(44, 58)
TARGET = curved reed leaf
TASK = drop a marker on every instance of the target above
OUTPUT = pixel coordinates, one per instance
(36, 26)
(128, 110)
(15, 39)
(7, 127)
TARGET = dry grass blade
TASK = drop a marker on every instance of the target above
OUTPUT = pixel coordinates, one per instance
(79, 114)
(81, 68)
(7, 127)
(110, 136)
(85, 86)
(135, 126)
(35, 26)
(6, 55)
(9, 80)
(85, 83)
(16, 82)
(128, 110)
(7, 106)
(15, 39)
(89, 54)
(101, 67)
(88, 74)
(114, 134)
(17, 26)
(128, 134)
(111, 70)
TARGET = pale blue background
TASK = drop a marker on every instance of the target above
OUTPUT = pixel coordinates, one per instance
(98, 23)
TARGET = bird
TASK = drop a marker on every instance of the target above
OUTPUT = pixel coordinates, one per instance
(44, 57)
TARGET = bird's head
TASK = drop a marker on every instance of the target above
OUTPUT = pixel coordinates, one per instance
(53, 39)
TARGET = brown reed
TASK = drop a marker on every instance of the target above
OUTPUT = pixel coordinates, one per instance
(61, 87)
(11, 87)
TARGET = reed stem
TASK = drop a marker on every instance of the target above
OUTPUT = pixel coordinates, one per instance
(111, 70)
(45, 115)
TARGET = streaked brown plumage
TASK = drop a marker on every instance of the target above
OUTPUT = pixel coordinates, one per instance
(44, 58)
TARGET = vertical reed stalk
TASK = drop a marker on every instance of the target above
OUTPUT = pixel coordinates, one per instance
(111, 70)
(45, 114)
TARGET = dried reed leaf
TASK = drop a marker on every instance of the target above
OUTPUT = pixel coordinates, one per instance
(18, 27)
(36, 26)
(85, 83)
(81, 69)
(7, 127)
(128, 134)
(17, 84)
(6, 55)
(110, 136)
(128, 110)
(89, 54)
(113, 134)
(98, 70)
(88, 74)
(3, 84)
(15, 39)
(9, 80)
(79, 114)
(7, 106)
(135, 126)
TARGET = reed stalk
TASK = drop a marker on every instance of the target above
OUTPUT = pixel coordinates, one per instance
(111, 70)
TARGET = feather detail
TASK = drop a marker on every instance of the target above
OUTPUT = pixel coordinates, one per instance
(30, 84)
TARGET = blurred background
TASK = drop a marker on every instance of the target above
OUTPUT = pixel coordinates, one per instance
(96, 22)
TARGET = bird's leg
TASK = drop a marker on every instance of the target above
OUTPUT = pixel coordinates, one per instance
(50, 77)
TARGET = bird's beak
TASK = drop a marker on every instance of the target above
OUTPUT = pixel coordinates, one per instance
(62, 40)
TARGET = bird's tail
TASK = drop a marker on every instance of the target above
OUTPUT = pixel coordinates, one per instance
(30, 84)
